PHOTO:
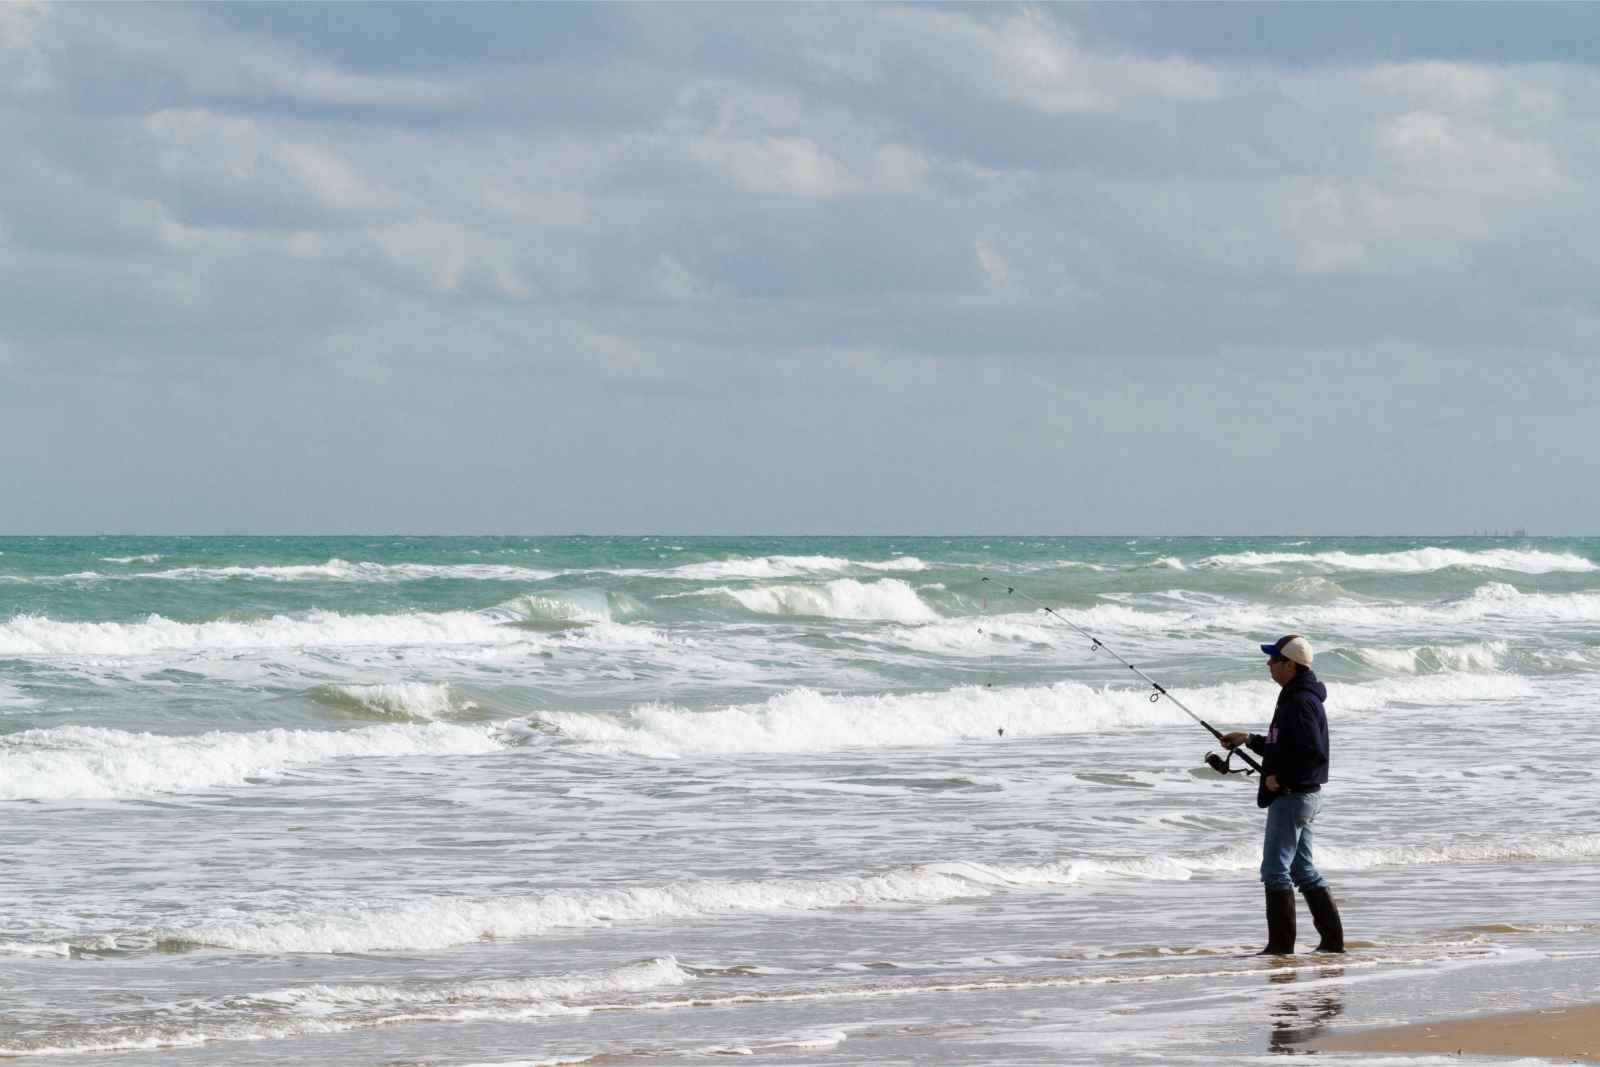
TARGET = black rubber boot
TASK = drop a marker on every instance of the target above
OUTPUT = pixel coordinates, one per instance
(1280, 923)
(1325, 914)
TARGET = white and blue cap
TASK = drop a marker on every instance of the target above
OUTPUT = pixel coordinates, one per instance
(1290, 647)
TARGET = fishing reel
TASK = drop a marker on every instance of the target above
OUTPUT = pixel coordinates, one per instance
(1224, 765)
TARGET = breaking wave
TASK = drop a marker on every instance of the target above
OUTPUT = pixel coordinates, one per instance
(1415, 561)
(1430, 659)
(1493, 602)
(437, 923)
(334, 570)
(339, 570)
(550, 609)
(394, 700)
(37, 635)
(784, 567)
(803, 720)
(25, 948)
(556, 992)
(440, 922)
(86, 762)
(298, 1011)
(889, 599)
(1311, 587)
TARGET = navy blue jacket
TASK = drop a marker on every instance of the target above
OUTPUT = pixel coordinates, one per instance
(1296, 745)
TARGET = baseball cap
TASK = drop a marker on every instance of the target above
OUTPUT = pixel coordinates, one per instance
(1291, 647)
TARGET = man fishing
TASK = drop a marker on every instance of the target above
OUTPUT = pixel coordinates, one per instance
(1294, 768)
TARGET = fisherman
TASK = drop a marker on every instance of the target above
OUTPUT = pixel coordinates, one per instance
(1294, 768)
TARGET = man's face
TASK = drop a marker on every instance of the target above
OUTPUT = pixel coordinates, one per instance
(1282, 669)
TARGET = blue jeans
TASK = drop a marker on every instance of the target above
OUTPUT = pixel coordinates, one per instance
(1286, 854)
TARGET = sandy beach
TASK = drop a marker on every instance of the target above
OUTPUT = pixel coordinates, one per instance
(1565, 1033)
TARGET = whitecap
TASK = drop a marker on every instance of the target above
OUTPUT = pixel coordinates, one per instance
(401, 700)
(321, 999)
(781, 567)
(339, 570)
(37, 635)
(1420, 659)
(432, 923)
(888, 599)
(1415, 561)
(83, 762)
(804, 720)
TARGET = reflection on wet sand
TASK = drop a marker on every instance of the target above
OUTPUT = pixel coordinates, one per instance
(1302, 1014)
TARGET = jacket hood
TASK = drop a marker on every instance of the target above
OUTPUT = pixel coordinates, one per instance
(1308, 680)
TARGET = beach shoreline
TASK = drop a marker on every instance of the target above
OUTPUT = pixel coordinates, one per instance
(1571, 1032)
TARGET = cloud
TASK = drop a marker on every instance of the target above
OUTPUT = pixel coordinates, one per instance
(187, 55)
(783, 166)
(618, 236)
(673, 281)
(25, 69)
(1448, 153)
(1029, 58)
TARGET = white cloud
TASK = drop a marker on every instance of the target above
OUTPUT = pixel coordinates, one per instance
(329, 179)
(1450, 86)
(268, 159)
(899, 168)
(861, 65)
(924, 186)
(446, 258)
(1450, 153)
(1030, 58)
(1327, 230)
(433, 252)
(765, 142)
(993, 264)
(211, 60)
(24, 66)
(671, 280)
(783, 166)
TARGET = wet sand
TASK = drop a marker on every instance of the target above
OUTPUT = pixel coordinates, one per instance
(1569, 1033)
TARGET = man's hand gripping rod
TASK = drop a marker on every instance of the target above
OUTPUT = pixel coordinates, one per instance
(1215, 762)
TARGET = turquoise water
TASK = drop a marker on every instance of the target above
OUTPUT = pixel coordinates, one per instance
(471, 800)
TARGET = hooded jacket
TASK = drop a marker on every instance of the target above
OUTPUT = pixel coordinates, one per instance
(1295, 747)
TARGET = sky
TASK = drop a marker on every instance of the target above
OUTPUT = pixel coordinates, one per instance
(799, 269)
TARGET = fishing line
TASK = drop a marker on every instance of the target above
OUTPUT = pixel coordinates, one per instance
(988, 682)
(1157, 690)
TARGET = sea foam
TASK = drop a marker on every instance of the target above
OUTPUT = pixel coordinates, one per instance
(1424, 659)
(338, 570)
(81, 762)
(843, 598)
(440, 922)
(783, 567)
(325, 999)
(299, 1011)
(37, 635)
(804, 720)
(1415, 561)
(400, 700)
(1492, 602)
(432, 923)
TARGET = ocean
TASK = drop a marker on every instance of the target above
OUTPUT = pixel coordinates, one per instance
(659, 800)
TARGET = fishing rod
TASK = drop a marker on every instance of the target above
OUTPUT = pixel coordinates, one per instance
(1214, 761)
